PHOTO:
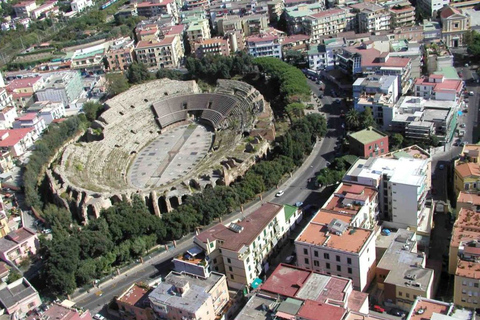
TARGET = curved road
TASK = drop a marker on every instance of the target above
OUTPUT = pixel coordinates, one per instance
(295, 188)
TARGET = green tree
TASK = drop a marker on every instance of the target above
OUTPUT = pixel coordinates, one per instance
(138, 73)
(13, 276)
(366, 119)
(396, 141)
(434, 141)
(295, 110)
(352, 120)
(92, 110)
(116, 83)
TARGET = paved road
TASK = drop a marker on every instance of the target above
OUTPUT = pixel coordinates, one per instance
(295, 190)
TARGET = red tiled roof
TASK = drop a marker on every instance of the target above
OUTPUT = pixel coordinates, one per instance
(262, 38)
(326, 13)
(151, 44)
(448, 11)
(16, 95)
(468, 169)
(14, 136)
(312, 310)
(173, 30)
(22, 83)
(295, 38)
(252, 225)
(27, 117)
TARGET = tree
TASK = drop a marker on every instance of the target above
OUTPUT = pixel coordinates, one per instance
(137, 73)
(295, 110)
(92, 110)
(472, 40)
(116, 83)
(434, 141)
(396, 141)
(352, 119)
(13, 276)
(366, 119)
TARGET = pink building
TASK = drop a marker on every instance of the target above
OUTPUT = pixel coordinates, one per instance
(16, 141)
(59, 312)
(19, 297)
(18, 245)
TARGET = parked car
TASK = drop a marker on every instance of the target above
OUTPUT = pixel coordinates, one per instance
(280, 193)
(397, 312)
(471, 93)
(377, 308)
(289, 259)
(463, 125)
(98, 316)
(298, 204)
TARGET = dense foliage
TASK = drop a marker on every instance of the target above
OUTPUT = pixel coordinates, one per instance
(125, 231)
(334, 172)
(211, 68)
(472, 39)
(53, 138)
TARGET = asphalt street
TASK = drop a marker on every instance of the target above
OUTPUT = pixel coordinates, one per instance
(295, 188)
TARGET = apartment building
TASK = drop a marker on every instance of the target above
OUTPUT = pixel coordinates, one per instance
(18, 245)
(424, 308)
(197, 4)
(133, 303)
(157, 54)
(49, 111)
(368, 142)
(61, 312)
(454, 26)
(18, 298)
(402, 184)
(467, 170)
(23, 90)
(359, 203)
(120, 54)
(294, 283)
(240, 250)
(44, 10)
(418, 118)
(89, 59)
(465, 258)
(371, 17)
(154, 8)
(323, 56)
(65, 87)
(216, 46)
(430, 8)
(24, 9)
(436, 87)
(402, 15)
(250, 24)
(325, 23)
(7, 117)
(296, 15)
(31, 120)
(264, 45)
(197, 30)
(6, 99)
(379, 93)
(336, 248)
(401, 271)
(467, 200)
(181, 295)
(147, 31)
(16, 141)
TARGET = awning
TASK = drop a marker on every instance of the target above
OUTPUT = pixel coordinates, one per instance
(460, 113)
(256, 283)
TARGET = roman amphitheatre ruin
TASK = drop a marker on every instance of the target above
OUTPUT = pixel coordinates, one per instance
(162, 140)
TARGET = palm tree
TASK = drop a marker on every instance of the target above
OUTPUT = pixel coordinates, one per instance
(352, 119)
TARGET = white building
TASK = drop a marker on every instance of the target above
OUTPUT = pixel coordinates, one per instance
(31, 120)
(63, 87)
(323, 56)
(402, 184)
(371, 17)
(5, 98)
(329, 245)
(7, 117)
(49, 111)
(431, 7)
(436, 87)
(80, 5)
(378, 92)
(264, 45)
(240, 250)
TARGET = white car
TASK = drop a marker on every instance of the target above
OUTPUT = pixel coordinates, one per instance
(98, 316)
(280, 193)
(471, 93)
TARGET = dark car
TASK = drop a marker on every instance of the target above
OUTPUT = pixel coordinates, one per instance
(397, 312)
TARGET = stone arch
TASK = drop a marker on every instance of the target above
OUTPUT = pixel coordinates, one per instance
(174, 202)
(91, 212)
(162, 204)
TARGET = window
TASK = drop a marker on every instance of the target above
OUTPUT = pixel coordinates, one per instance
(229, 260)
(327, 265)
(369, 147)
(305, 251)
(339, 268)
(316, 263)
(306, 261)
(400, 293)
(350, 270)
(381, 143)
(232, 276)
(349, 260)
(475, 285)
(326, 256)
(337, 258)
(211, 244)
(230, 269)
(315, 253)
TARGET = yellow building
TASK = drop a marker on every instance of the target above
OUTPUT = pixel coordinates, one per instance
(467, 170)
(4, 229)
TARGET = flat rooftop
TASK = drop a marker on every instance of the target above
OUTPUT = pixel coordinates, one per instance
(401, 277)
(252, 225)
(367, 135)
(409, 152)
(296, 282)
(254, 309)
(196, 295)
(135, 296)
(429, 308)
(399, 254)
